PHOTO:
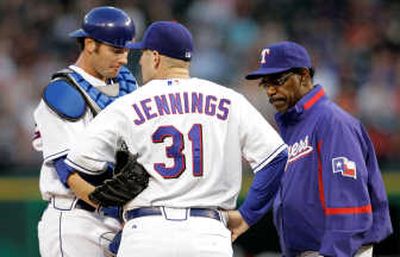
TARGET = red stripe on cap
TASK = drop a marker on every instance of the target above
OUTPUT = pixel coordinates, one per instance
(338, 210)
(314, 99)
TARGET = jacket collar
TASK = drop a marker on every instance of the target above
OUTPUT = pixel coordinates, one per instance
(301, 108)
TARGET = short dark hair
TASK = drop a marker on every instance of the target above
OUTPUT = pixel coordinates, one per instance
(81, 43)
(311, 71)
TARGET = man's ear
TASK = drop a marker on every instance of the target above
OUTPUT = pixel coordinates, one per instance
(305, 77)
(90, 45)
(156, 59)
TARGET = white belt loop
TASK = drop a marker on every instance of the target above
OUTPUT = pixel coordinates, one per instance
(175, 214)
(224, 217)
(63, 203)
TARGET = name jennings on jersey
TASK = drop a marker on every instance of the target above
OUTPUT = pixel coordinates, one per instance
(181, 103)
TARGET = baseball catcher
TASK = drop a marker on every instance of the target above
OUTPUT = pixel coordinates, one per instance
(70, 101)
(129, 179)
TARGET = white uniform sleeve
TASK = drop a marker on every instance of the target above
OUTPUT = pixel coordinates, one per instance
(97, 145)
(57, 134)
(260, 141)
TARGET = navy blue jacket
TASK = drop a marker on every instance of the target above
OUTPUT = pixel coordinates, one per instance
(332, 197)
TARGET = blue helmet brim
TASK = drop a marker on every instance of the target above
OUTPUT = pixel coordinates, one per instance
(78, 33)
(81, 33)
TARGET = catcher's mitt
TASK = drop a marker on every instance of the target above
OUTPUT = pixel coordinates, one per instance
(129, 179)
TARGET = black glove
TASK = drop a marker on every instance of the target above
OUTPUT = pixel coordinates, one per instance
(129, 179)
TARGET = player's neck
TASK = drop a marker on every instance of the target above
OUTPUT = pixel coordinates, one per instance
(175, 73)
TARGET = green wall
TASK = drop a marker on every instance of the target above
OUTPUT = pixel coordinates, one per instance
(18, 226)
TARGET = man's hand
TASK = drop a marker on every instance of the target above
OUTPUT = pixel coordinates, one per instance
(129, 179)
(236, 224)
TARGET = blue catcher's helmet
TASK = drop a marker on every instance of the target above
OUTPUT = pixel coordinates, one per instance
(108, 25)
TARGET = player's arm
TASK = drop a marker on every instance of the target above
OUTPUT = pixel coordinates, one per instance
(263, 189)
(260, 196)
(55, 116)
(81, 188)
(266, 153)
(129, 178)
(97, 147)
(73, 180)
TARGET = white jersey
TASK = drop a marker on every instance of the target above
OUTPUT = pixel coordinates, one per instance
(190, 134)
(54, 137)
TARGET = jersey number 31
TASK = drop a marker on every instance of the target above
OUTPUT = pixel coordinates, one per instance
(175, 150)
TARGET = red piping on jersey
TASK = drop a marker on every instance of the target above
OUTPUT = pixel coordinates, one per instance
(36, 135)
(314, 99)
(320, 182)
(349, 210)
(338, 210)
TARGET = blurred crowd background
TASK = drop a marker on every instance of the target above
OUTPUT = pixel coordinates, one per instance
(354, 46)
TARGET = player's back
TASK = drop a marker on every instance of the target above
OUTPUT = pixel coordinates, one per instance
(191, 135)
(187, 134)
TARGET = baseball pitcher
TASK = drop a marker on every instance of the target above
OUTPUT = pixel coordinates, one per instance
(190, 135)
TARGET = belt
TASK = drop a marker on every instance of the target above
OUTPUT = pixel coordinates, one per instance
(156, 211)
(80, 204)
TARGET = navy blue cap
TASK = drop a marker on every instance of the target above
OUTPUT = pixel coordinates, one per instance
(280, 57)
(169, 38)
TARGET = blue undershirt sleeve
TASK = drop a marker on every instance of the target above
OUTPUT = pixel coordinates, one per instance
(63, 170)
(263, 189)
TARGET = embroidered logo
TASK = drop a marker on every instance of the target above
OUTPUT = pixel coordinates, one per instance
(264, 53)
(299, 149)
(344, 166)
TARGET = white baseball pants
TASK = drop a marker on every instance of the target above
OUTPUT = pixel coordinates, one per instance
(67, 231)
(175, 233)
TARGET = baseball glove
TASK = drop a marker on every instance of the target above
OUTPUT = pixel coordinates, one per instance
(129, 179)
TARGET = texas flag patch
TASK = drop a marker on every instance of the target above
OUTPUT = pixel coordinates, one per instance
(344, 166)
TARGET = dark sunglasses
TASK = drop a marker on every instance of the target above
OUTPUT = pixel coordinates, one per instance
(276, 79)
